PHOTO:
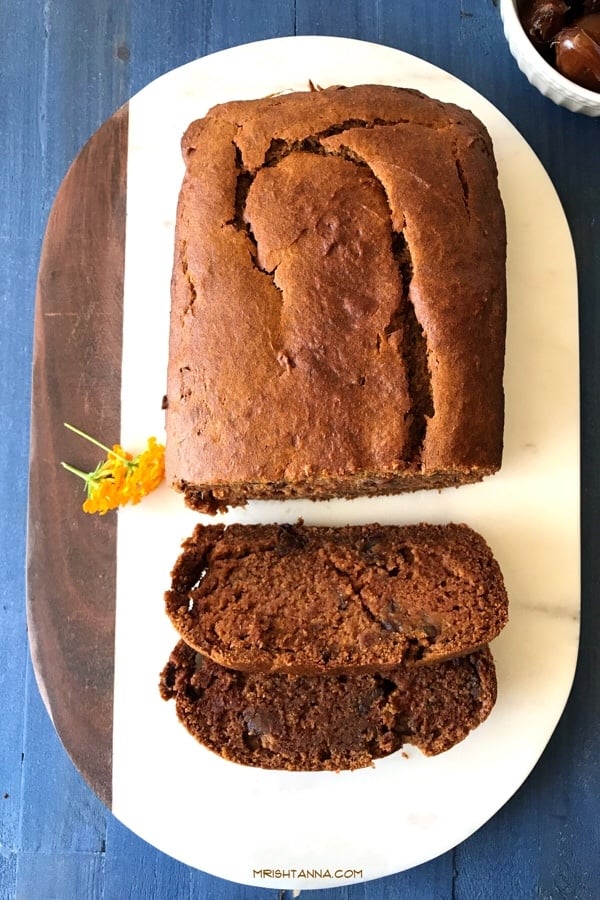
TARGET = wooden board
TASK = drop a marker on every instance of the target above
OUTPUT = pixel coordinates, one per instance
(95, 367)
(77, 375)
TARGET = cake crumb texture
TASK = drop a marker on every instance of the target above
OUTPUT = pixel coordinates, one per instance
(309, 600)
(327, 722)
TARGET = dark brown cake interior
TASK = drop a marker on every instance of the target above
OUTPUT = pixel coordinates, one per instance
(327, 722)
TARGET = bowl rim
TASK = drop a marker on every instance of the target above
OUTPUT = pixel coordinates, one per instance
(525, 49)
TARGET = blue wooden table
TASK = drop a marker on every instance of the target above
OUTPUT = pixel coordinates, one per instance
(65, 66)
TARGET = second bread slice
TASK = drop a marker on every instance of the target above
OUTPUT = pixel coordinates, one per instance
(331, 722)
(313, 600)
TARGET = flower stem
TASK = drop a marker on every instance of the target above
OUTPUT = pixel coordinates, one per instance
(94, 441)
(75, 471)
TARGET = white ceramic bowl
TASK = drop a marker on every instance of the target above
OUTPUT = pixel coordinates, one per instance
(539, 72)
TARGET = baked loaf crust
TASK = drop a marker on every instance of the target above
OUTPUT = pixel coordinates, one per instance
(327, 722)
(310, 600)
(338, 299)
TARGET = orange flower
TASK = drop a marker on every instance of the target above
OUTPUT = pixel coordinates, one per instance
(121, 478)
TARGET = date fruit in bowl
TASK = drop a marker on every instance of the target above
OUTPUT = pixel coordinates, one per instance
(577, 51)
(567, 34)
(556, 44)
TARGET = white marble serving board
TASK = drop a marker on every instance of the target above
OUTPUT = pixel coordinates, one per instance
(236, 822)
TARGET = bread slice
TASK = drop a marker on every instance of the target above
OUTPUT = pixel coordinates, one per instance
(338, 299)
(328, 722)
(313, 600)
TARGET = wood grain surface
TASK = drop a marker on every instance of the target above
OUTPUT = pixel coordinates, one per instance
(65, 67)
(77, 378)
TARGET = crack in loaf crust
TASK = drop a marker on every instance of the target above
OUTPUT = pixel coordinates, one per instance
(338, 299)
(311, 600)
(328, 722)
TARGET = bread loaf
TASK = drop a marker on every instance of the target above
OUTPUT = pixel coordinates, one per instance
(338, 299)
